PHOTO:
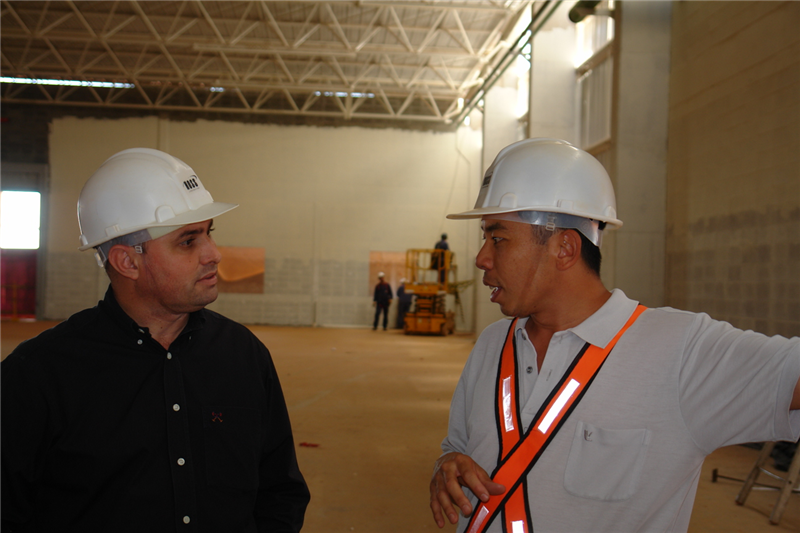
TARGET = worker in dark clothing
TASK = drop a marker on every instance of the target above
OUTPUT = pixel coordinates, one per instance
(438, 257)
(148, 412)
(442, 244)
(403, 303)
(382, 299)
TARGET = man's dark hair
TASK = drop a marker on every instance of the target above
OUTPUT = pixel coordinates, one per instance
(589, 252)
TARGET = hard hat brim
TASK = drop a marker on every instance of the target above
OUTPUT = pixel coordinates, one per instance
(202, 213)
(480, 212)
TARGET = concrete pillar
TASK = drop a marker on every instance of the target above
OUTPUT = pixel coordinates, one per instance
(639, 130)
(552, 80)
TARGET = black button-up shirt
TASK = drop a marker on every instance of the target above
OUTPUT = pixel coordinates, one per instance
(104, 430)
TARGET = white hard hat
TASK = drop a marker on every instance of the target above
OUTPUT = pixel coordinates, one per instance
(381, 275)
(548, 176)
(139, 189)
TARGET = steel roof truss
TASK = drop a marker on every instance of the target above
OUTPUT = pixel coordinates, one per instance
(305, 36)
(310, 100)
(43, 91)
(279, 61)
(60, 59)
(273, 23)
(331, 61)
(209, 21)
(403, 38)
(337, 28)
(14, 14)
(311, 67)
(317, 54)
(5, 60)
(406, 102)
(290, 99)
(186, 27)
(385, 101)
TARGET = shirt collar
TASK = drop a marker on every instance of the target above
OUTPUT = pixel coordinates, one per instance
(110, 305)
(601, 327)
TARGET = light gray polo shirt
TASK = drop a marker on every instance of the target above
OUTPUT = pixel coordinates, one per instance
(677, 386)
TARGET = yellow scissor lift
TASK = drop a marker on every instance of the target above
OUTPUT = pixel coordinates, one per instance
(430, 274)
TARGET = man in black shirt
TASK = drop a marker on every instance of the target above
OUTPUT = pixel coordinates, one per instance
(148, 412)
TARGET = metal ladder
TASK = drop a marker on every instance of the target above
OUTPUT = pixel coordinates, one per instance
(787, 485)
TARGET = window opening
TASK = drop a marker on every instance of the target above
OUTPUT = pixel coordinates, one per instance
(19, 220)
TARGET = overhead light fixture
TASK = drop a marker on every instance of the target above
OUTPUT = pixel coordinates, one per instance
(342, 94)
(260, 50)
(68, 83)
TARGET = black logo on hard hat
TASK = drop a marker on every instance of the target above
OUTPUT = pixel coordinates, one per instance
(191, 183)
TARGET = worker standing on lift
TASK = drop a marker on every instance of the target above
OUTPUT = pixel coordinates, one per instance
(439, 257)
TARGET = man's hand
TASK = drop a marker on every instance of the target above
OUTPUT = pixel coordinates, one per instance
(451, 472)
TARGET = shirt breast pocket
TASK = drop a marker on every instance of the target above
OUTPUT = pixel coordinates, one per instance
(232, 447)
(606, 464)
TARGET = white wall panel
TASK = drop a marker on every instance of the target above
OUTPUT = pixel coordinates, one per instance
(318, 200)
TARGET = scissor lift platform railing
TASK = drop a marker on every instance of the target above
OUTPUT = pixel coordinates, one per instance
(429, 273)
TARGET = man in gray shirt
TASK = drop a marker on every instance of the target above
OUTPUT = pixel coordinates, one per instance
(537, 440)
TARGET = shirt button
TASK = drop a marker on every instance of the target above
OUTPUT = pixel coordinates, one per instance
(139, 341)
(176, 407)
(185, 519)
(169, 355)
(181, 461)
(529, 370)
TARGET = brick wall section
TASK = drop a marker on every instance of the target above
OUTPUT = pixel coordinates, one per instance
(289, 299)
(733, 193)
(74, 282)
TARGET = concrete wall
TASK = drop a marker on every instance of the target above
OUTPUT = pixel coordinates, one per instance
(639, 149)
(733, 209)
(318, 200)
(553, 108)
(500, 128)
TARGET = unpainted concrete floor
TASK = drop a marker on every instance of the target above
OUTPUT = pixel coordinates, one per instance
(369, 409)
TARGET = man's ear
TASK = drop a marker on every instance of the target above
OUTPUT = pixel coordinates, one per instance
(123, 259)
(569, 248)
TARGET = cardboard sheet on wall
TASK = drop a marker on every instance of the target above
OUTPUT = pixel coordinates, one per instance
(241, 270)
(393, 264)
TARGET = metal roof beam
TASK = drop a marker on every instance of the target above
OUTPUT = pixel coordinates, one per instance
(337, 28)
(305, 36)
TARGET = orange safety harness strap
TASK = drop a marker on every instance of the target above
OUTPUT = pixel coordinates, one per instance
(519, 452)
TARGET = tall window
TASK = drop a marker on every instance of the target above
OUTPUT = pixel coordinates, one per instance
(19, 220)
(19, 239)
(594, 68)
